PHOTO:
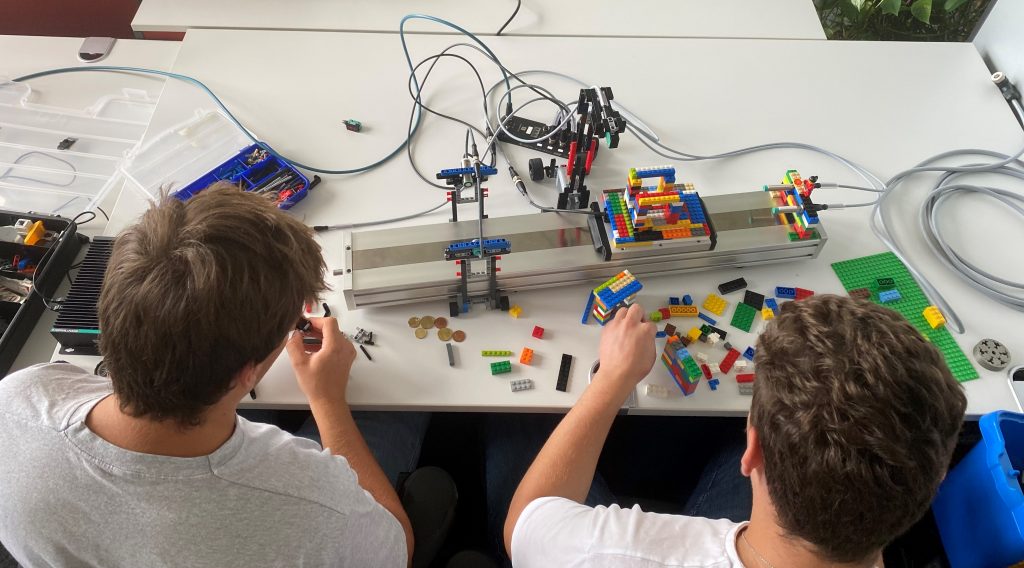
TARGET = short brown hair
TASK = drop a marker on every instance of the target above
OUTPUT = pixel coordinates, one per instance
(857, 415)
(197, 290)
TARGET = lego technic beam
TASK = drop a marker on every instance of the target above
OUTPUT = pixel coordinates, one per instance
(406, 265)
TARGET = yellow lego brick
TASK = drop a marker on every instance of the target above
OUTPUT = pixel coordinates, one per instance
(35, 233)
(767, 313)
(934, 317)
(715, 304)
(683, 311)
(693, 334)
(515, 311)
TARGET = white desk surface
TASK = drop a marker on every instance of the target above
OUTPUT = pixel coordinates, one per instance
(793, 19)
(25, 54)
(885, 105)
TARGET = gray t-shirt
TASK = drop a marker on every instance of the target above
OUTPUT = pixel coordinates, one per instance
(264, 498)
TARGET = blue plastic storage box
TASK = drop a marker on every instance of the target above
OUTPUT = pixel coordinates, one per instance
(980, 506)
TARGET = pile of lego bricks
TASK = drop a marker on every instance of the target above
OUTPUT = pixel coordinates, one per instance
(617, 292)
(790, 205)
(666, 211)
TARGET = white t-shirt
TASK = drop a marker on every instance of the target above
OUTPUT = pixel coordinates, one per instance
(553, 531)
(264, 498)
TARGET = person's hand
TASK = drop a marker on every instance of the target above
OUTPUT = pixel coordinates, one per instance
(322, 371)
(627, 349)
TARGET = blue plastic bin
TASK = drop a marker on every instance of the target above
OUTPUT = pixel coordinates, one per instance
(980, 507)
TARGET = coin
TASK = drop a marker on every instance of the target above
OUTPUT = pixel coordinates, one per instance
(459, 336)
(440, 323)
(444, 334)
(427, 322)
(421, 333)
(414, 321)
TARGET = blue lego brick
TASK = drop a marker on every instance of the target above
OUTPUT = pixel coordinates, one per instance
(704, 317)
(713, 383)
(673, 301)
(748, 354)
(613, 298)
(771, 303)
(887, 296)
(644, 173)
(660, 334)
(687, 300)
(588, 309)
(785, 292)
(484, 170)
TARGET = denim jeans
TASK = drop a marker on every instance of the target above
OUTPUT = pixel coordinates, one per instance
(395, 438)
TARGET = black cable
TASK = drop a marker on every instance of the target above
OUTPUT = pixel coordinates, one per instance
(418, 103)
(519, 4)
(107, 217)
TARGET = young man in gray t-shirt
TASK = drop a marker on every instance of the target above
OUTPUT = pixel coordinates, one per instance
(153, 467)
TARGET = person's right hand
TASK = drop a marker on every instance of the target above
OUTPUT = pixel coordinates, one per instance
(627, 350)
(322, 373)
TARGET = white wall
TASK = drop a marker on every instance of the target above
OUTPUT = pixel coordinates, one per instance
(1000, 40)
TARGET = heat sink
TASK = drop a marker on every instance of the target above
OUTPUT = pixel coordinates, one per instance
(78, 325)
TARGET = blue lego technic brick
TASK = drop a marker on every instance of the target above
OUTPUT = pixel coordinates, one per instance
(673, 301)
(785, 292)
(687, 300)
(706, 318)
(484, 170)
(660, 334)
(748, 354)
(771, 303)
(887, 296)
(588, 309)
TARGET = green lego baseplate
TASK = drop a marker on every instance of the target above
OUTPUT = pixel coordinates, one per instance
(743, 317)
(865, 271)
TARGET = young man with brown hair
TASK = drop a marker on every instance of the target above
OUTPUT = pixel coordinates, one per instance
(851, 429)
(153, 467)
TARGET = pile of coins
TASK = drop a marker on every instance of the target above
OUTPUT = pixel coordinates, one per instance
(423, 325)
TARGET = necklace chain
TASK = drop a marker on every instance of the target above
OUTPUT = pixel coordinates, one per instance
(761, 558)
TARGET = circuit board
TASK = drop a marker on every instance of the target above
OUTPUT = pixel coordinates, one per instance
(863, 272)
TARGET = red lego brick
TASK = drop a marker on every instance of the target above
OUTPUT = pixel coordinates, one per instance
(538, 332)
(730, 359)
(706, 370)
(745, 378)
(665, 313)
(802, 293)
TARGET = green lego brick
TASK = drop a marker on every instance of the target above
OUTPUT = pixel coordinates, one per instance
(692, 369)
(501, 367)
(492, 353)
(743, 317)
(866, 271)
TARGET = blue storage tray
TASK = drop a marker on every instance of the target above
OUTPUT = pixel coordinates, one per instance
(238, 171)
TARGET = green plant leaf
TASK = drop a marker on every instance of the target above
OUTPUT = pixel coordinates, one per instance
(954, 4)
(922, 10)
(858, 4)
(891, 6)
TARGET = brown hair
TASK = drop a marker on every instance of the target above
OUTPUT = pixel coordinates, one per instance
(857, 415)
(197, 290)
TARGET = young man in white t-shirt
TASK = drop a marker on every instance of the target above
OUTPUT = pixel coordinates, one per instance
(851, 429)
(153, 467)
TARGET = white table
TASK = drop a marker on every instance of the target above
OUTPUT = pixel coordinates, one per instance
(794, 19)
(26, 54)
(885, 105)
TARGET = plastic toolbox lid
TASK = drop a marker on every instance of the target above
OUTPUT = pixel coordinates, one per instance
(35, 175)
(183, 154)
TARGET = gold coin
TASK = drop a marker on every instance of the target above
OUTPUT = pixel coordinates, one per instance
(459, 336)
(414, 321)
(421, 333)
(427, 322)
(444, 334)
(440, 323)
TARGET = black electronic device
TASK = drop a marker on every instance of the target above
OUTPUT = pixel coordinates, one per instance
(527, 129)
(77, 328)
(41, 264)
